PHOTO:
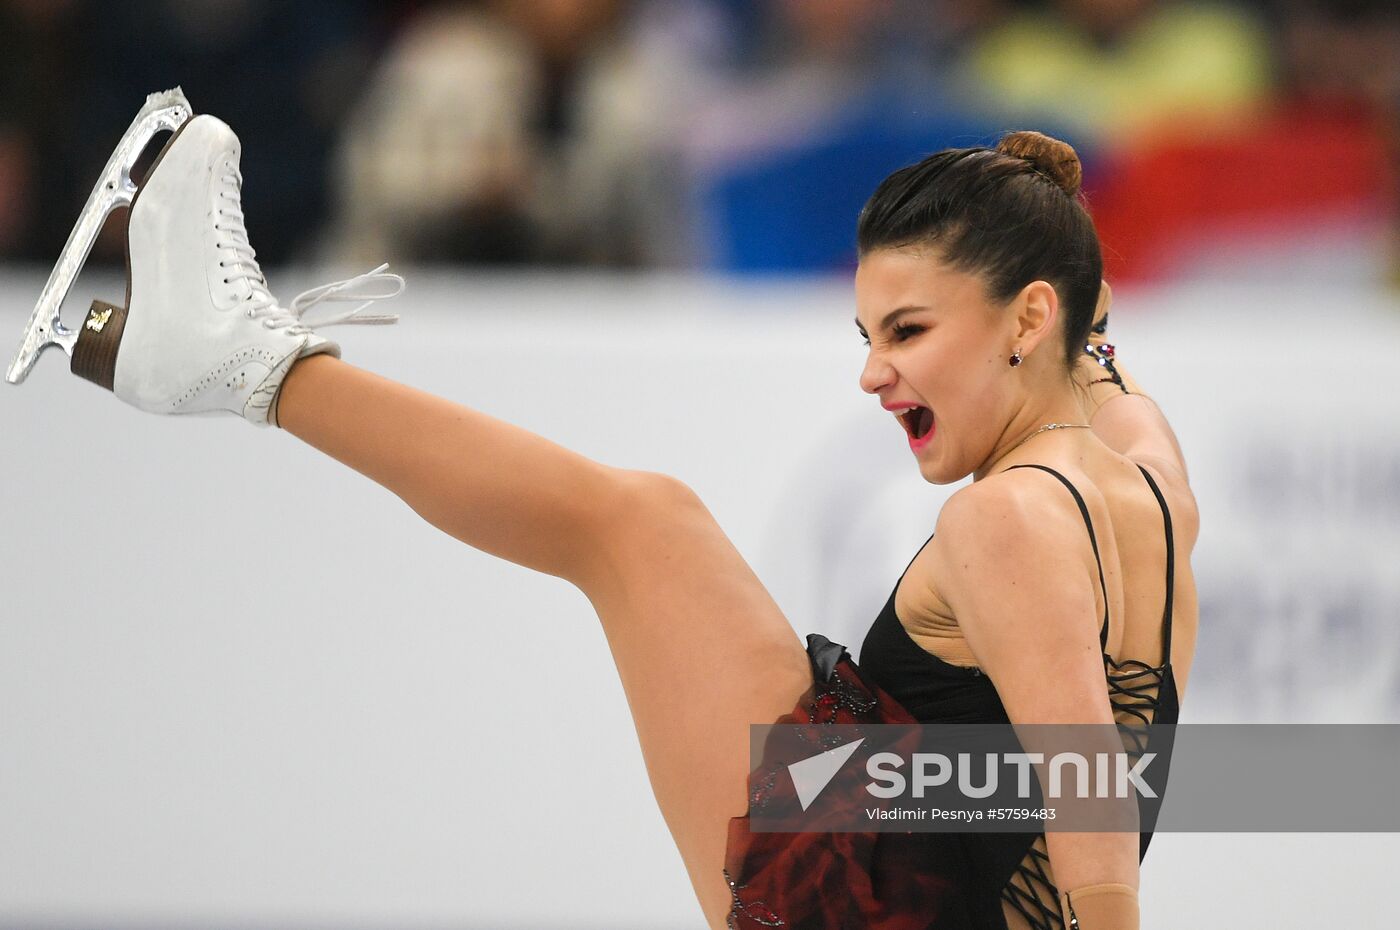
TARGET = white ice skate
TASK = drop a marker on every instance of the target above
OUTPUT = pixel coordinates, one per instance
(200, 332)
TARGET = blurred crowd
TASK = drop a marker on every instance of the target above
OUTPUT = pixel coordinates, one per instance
(732, 134)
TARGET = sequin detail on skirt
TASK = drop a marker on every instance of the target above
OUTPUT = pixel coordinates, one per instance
(831, 881)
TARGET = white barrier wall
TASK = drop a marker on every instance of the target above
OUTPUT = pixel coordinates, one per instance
(243, 686)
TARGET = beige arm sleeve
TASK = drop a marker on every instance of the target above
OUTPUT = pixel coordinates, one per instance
(1109, 906)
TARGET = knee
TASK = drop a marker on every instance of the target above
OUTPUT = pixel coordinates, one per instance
(649, 497)
(640, 519)
(653, 514)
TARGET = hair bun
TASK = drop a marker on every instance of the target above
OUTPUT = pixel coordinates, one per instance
(1055, 159)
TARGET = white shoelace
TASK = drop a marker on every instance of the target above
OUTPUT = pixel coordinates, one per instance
(260, 304)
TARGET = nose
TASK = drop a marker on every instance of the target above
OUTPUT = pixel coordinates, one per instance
(876, 375)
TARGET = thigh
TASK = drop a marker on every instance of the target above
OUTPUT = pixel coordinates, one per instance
(703, 651)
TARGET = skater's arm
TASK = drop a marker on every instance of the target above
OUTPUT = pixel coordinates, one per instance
(1023, 586)
(1125, 418)
(494, 486)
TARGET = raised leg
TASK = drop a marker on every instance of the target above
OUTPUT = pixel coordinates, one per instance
(701, 648)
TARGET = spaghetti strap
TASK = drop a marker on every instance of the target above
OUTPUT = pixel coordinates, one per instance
(1093, 541)
(1171, 567)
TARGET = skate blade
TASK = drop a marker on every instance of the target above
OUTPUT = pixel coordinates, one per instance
(167, 110)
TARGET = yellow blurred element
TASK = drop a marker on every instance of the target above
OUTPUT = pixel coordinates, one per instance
(1199, 62)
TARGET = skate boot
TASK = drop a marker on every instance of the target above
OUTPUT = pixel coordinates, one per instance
(200, 333)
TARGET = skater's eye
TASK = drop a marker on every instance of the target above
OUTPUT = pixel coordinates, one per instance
(899, 332)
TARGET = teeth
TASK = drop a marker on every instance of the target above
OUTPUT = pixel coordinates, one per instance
(908, 417)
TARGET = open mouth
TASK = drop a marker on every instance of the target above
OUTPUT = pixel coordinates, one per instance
(917, 421)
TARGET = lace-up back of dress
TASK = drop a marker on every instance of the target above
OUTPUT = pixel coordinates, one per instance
(1140, 694)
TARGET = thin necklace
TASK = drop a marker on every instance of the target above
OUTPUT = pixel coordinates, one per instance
(1052, 426)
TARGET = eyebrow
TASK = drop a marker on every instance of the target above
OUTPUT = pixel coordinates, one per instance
(892, 316)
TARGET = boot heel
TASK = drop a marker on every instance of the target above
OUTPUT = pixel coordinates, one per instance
(95, 352)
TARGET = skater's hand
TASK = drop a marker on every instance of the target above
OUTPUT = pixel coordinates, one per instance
(1101, 315)
(1087, 368)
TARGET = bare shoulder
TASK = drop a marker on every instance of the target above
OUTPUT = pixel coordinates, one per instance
(997, 500)
(1014, 564)
(1015, 500)
(981, 528)
(1007, 529)
(1176, 490)
(1135, 427)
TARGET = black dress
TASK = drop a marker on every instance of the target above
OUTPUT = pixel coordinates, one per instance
(918, 881)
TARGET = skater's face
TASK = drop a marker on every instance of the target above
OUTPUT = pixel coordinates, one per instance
(938, 357)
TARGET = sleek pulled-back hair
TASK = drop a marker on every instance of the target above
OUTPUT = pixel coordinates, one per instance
(1012, 215)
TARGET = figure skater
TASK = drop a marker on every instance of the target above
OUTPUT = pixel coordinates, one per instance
(979, 282)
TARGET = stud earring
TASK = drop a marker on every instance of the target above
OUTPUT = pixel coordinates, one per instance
(1015, 358)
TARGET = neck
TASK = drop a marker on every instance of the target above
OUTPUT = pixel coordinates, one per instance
(1013, 445)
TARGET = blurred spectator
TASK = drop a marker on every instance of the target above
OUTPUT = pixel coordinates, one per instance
(831, 97)
(1340, 51)
(737, 134)
(1315, 157)
(951, 27)
(517, 131)
(1115, 68)
(39, 44)
(1344, 55)
(801, 66)
(74, 73)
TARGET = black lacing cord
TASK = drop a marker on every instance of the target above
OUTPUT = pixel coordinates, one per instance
(1134, 693)
(1132, 699)
(1031, 901)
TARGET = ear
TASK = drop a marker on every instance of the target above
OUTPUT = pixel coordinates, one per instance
(1037, 314)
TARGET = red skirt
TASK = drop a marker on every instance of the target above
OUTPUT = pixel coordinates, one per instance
(843, 881)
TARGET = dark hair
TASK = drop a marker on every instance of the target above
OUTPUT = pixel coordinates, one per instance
(1012, 214)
